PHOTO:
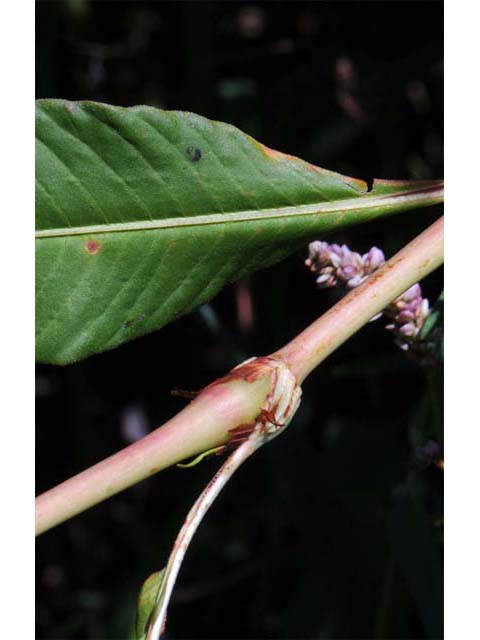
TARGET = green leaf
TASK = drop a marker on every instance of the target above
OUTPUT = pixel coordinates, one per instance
(144, 214)
(433, 321)
(146, 602)
(431, 335)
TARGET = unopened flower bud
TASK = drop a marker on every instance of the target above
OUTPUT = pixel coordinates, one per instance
(355, 281)
(373, 259)
(408, 329)
(404, 316)
(410, 294)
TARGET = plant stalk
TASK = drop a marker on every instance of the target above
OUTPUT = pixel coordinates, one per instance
(206, 422)
(194, 518)
(415, 261)
(201, 425)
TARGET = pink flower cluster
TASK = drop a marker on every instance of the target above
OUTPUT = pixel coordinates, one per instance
(338, 264)
(408, 313)
(334, 264)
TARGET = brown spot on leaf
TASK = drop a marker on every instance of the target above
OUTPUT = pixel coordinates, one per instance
(92, 247)
(272, 154)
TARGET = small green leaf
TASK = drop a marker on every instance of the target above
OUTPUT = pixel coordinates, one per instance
(435, 320)
(146, 602)
(142, 215)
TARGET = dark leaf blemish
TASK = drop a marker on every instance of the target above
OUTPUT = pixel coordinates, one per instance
(194, 153)
(369, 182)
(128, 323)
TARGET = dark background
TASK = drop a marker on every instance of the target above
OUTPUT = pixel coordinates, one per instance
(335, 529)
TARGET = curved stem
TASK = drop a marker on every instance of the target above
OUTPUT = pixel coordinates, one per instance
(192, 522)
(206, 422)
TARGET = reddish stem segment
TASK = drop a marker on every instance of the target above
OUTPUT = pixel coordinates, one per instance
(202, 425)
(221, 407)
(415, 261)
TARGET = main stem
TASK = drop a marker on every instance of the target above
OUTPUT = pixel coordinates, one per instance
(408, 266)
(202, 425)
(206, 422)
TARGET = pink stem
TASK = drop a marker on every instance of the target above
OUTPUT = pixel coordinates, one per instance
(408, 266)
(206, 422)
(202, 425)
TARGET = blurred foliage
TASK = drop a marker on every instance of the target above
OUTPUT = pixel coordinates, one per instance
(335, 529)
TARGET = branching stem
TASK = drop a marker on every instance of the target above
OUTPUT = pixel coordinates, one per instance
(194, 518)
(207, 422)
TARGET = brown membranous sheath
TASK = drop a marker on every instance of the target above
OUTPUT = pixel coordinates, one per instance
(281, 403)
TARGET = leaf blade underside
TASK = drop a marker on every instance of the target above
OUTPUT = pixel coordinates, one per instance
(144, 214)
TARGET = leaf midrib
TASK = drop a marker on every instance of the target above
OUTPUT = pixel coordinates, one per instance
(430, 194)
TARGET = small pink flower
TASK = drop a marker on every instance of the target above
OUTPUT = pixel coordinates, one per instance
(373, 259)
